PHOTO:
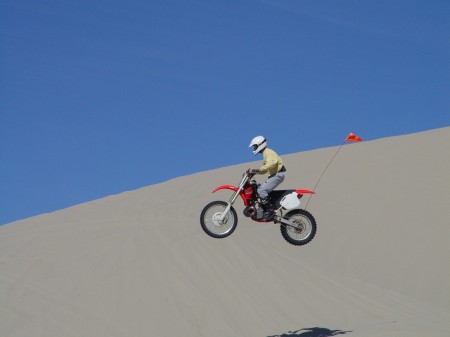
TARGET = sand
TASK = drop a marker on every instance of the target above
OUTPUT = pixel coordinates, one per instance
(138, 263)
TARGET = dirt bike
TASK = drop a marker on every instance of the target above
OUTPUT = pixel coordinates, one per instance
(298, 227)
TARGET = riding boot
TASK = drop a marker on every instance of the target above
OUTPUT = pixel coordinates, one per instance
(268, 208)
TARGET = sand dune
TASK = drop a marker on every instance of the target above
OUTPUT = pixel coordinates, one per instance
(138, 263)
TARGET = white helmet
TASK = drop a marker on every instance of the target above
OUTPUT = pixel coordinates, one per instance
(258, 143)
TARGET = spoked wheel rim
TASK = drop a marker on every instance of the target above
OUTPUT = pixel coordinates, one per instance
(216, 219)
(302, 227)
(212, 223)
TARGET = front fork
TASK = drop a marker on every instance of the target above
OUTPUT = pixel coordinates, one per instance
(230, 203)
(234, 197)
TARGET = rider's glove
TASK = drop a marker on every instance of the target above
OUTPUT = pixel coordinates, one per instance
(251, 172)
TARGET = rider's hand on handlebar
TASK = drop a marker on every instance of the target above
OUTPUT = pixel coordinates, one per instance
(252, 171)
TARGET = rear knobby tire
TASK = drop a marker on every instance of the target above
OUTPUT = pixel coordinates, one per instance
(304, 230)
(209, 219)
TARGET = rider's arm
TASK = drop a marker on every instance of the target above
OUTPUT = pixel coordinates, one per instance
(270, 162)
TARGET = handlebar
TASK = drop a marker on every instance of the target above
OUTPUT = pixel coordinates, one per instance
(251, 172)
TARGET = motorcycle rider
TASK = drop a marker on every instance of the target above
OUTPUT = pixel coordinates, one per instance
(272, 165)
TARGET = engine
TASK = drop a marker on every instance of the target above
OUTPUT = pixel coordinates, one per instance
(254, 211)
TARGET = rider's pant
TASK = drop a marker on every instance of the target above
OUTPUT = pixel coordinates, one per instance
(271, 183)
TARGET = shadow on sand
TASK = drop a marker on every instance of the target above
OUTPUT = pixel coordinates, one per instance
(312, 332)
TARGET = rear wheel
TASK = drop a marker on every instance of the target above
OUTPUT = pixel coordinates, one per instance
(302, 230)
(211, 223)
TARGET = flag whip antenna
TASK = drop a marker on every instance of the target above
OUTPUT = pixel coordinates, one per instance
(350, 138)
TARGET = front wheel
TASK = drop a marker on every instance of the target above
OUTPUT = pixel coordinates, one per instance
(211, 223)
(303, 229)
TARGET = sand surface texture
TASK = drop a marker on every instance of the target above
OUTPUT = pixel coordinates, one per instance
(138, 263)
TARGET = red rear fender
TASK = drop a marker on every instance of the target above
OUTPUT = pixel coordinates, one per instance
(305, 192)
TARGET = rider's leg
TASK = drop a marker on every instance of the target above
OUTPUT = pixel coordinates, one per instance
(265, 189)
(271, 183)
(268, 206)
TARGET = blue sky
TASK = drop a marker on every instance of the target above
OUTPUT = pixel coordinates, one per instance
(100, 97)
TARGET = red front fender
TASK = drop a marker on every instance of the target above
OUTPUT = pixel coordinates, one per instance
(225, 187)
(233, 188)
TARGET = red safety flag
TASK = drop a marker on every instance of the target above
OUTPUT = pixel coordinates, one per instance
(352, 138)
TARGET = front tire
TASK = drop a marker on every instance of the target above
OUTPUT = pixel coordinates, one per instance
(304, 230)
(210, 220)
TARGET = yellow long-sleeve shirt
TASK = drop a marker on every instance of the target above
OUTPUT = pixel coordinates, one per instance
(272, 163)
